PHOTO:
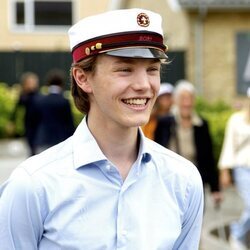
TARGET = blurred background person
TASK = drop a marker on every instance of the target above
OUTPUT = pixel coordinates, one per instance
(28, 96)
(55, 115)
(161, 107)
(235, 156)
(186, 133)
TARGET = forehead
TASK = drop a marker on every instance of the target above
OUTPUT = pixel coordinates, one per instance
(165, 95)
(184, 95)
(116, 60)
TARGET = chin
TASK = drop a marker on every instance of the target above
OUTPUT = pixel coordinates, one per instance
(139, 122)
(142, 123)
(135, 120)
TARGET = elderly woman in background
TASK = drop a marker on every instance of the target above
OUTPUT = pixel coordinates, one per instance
(186, 133)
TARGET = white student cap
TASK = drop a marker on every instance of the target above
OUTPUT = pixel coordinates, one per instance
(133, 33)
(166, 88)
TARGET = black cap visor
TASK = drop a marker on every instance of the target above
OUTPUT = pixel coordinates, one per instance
(148, 53)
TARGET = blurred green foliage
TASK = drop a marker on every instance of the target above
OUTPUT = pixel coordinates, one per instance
(8, 99)
(217, 115)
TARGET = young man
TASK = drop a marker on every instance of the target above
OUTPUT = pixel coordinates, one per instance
(107, 186)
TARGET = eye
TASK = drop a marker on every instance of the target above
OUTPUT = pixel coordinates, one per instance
(125, 69)
(153, 69)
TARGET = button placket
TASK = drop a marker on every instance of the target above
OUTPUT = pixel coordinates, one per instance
(121, 222)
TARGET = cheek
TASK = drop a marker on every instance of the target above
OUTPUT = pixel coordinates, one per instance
(156, 85)
(103, 95)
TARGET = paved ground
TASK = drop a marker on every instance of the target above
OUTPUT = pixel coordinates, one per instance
(12, 152)
(214, 233)
(215, 227)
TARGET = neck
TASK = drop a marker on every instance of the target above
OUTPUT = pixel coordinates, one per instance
(119, 144)
(186, 121)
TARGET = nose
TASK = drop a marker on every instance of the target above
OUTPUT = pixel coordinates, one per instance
(141, 81)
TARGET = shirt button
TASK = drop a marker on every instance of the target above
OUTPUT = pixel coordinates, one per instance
(108, 167)
(124, 233)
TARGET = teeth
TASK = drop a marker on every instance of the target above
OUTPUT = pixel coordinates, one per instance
(135, 101)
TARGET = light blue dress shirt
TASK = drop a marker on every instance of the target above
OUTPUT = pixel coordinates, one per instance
(72, 197)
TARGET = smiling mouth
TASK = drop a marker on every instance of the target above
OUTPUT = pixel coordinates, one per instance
(136, 101)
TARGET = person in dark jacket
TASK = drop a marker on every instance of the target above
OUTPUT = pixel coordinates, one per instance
(28, 97)
(56, 119)
(188, 134)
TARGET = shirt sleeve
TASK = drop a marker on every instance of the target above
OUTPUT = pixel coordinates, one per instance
(192, 219)
(21, 224)
(227, 156)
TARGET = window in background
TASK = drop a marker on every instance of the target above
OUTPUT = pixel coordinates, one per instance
(243, 61)
(20, 13)
(35, 15)
(53, 13)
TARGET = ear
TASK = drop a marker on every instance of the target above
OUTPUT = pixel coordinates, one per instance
(81, 77)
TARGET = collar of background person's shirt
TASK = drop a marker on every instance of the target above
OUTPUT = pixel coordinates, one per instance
(54, 89)
(195, 119)
(87, 151)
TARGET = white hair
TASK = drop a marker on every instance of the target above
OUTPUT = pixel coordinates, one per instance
(184, 85)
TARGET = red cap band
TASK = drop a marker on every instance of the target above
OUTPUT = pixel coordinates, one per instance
(117, 41)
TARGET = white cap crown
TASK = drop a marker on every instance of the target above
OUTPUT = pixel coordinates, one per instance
(114, 30)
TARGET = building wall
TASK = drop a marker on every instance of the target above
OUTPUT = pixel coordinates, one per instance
(218, 54)
(174, 25)
(175, 22)
(47, 40)
(18, 42)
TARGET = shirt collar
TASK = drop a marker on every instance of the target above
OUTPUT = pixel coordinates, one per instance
(87, 151)
(144, 151)
(85, 147)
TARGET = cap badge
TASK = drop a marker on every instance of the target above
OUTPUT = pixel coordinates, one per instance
(143, 20)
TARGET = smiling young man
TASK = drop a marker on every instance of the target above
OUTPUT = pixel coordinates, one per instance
(107, 186)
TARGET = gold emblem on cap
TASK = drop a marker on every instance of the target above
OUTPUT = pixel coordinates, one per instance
(96, 46)
(87, 51)
(143, 20)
